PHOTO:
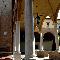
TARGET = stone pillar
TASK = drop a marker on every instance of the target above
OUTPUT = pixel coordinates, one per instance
(41, 42)
(17, 56)
(34, 47)
(18, 36)
(33, 39)
(14, 42)
(17, 53)
(29, 30)
(56, 36)
(58, 40)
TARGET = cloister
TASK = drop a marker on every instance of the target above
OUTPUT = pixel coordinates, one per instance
(30, 28)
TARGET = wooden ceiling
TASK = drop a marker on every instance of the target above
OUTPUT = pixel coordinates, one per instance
(42, 7)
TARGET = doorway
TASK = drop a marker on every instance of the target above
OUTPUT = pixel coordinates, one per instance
(49, 41)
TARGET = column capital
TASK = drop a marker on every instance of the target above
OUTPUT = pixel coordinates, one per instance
(17, 22)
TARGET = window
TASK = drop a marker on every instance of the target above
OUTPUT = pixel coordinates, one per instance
(47, 24)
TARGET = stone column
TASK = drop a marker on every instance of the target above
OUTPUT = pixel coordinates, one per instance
(33, 39)
(57, 42)
(56, 36)
(41, 42)
(18, 36)
(17, 53)
(14, 42)
(34, 47)
(29, 30)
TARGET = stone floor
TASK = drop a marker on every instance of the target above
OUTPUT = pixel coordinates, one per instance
(10, 57)
(22, 56)
(6, 58)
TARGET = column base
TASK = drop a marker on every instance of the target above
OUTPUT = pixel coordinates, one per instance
(57, 49)
(30, 58)
(34, 54)
(17, 55)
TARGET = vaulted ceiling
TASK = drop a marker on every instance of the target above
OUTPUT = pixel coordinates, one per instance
(42, 7)
(46, 7)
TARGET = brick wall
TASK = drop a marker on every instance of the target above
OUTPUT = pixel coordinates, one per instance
(6, 24)
(5, 31)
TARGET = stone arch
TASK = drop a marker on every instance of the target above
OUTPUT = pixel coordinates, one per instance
(48, 41)
(45, 30)
(48, 36)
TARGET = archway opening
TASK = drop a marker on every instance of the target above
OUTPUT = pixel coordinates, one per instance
(49, 41)
(22, 42)
(37, 40)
